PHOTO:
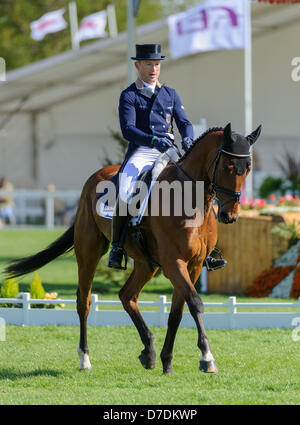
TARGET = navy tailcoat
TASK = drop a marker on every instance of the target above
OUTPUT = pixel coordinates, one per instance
(144, 115)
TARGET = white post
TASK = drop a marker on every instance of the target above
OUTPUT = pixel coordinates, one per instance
(74, 25)
(203, 279)
(112, 21)
(94, 309)
(50, 211)
(232, 312)
(162, 310)
(248, 88)
(26, 307)
(130, 41)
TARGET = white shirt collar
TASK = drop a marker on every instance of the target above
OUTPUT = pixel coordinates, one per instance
(152, 86)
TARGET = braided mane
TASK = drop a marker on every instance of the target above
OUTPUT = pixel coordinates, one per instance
(210, 130)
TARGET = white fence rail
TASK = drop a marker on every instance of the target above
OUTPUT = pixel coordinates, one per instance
(230, 319)
(35, 204)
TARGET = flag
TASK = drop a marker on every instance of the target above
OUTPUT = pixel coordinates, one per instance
(48, 23)
(213, 25)
(92, 26)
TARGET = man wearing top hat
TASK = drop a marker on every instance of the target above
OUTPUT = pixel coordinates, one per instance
(147, 110)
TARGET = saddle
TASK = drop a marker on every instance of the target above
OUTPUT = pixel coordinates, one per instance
(148, 177)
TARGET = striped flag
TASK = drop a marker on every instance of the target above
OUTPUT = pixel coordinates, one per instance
(49, 23)
(92, 26)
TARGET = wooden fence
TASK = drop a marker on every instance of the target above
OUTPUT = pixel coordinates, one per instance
(250, 247)
(227, 316)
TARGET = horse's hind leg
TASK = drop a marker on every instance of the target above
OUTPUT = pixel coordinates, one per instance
(89, 246)
(129, 296)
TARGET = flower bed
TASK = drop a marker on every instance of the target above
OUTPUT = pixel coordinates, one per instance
(281, 280)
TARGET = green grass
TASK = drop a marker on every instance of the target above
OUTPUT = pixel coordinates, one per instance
(39, 365)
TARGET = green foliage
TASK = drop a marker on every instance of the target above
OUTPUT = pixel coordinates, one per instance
(19, 49)
(110, 275)
(270, 185)
(9, 289)
(36, 290)
(288, 231)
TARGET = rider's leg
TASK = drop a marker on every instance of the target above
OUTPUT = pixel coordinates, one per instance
(141, 160)
(119, 226)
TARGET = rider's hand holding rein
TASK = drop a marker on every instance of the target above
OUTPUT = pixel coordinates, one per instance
(186, 143)
(162, 144)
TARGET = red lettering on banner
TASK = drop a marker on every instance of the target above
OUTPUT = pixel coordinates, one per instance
(187, 25)
(45, 24)
(88, 25)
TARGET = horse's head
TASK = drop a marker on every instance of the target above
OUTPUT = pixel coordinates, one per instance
(229, 171)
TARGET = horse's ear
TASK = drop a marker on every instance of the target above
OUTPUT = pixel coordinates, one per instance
(254, 135)
(227, 134)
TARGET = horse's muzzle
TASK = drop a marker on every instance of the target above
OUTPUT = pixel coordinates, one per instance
(226, 218)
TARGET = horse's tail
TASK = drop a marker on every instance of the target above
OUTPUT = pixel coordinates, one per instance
(28, 264)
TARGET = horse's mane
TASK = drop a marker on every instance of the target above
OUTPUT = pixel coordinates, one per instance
(210, 130)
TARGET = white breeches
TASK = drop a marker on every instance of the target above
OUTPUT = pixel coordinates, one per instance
(141, 160)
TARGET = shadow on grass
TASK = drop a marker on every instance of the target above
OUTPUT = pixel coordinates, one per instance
(14, 375)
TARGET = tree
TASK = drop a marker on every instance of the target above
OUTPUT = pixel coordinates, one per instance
(19, 49)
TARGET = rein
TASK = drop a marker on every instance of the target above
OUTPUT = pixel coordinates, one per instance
(215, 188)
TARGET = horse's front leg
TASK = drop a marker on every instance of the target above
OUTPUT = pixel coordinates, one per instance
(129, 295)
(179, 276)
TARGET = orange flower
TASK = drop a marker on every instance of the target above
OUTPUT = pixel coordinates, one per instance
(267, 280)
(295, 289)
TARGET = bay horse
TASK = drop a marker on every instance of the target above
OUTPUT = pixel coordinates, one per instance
(221, 159)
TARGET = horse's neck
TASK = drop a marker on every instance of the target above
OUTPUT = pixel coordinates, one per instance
(198, 160)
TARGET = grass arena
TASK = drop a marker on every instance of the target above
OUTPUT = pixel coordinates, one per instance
(39, 364)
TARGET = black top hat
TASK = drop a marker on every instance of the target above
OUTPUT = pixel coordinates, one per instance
(148, 52)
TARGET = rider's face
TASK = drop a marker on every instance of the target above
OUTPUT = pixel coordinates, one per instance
(148, 70)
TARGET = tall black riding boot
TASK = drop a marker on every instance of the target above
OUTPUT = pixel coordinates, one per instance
(119, 227)
(212, 263)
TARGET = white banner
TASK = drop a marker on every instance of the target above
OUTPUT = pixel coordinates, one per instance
(49, 23)
(93, 26)
(213, 25)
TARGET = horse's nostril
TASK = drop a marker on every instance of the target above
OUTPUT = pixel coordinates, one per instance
(224, 216)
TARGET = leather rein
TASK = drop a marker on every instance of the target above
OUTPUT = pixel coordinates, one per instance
(215, 188)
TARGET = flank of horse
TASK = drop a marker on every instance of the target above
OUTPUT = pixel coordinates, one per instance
(179, 249)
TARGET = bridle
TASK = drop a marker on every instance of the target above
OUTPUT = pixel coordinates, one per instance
(215, 188)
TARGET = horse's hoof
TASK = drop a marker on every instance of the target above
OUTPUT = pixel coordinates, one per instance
(168, 370)
(85, 368)
(147, 360)
(84, 360)
(208, 367)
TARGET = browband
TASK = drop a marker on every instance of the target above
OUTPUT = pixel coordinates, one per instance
(236, 154)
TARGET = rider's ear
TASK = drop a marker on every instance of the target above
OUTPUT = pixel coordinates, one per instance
(227, 134)
(254, 135)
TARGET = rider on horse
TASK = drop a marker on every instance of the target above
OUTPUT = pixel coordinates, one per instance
(146, 111)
